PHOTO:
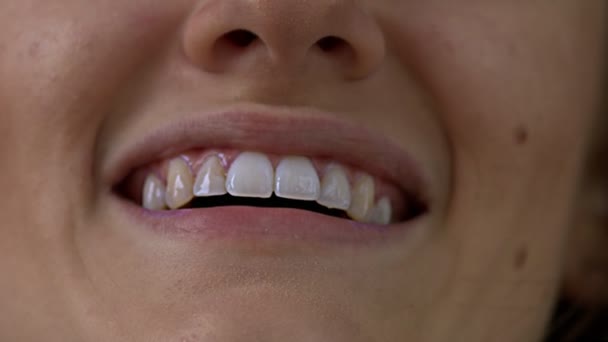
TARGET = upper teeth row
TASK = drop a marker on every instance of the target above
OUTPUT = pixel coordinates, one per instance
(252, 175)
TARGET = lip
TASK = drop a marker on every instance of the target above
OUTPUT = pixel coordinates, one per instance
(239, 223)
(307, 132)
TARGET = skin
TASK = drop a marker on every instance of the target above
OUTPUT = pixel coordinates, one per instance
(496, 98)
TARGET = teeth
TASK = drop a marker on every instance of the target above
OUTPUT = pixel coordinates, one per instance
(154, 194)
(335, 189)
(251, 175)
(179, 184)
(296, 178)
(362, 198)
(381, 213)
(210, 180)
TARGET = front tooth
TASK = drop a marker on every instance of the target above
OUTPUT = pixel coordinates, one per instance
(179, 184)
(210, 180)
(154, 193)
(250, 175)
(362, 198)
(381, 213)
(335, 189)
(296, 178)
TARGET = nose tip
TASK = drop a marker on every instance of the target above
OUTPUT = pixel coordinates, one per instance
(234, 36)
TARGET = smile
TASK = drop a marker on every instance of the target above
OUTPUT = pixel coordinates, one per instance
(237, 163)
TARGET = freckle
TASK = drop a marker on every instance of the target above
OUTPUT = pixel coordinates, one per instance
(521, 135)
(34, 50)
(521, 258)
(511, 49)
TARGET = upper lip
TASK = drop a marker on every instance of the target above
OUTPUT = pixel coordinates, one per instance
(307, 132)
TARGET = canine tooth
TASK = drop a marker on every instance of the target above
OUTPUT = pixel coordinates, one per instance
(179, 184)
(296, 178)
(210, 180)
(250, 175)
(381, 213)
(335, 189)
(362, 198)
(153, 196)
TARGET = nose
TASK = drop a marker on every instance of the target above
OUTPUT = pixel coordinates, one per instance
(231, 36)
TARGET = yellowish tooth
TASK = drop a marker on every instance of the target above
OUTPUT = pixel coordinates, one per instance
(362, 202)
(211, 180)
(335, 189)
(381, 213)
(153, 196)
(179, 184)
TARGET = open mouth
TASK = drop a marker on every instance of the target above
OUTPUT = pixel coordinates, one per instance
(268, 170)
(216, 178)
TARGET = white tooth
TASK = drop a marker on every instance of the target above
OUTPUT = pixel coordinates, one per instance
(250, 175)
(381, 213)
(153, 196)
(296, 178)
(362, 198)
(335, 189)
(210, 180)
(179, 184)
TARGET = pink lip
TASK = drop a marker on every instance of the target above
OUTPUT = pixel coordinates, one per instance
(271, 224)
(272, 131)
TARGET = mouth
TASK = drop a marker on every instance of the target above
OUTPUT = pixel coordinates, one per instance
(280, 173)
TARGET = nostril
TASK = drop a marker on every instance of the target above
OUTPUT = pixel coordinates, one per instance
(331, 43)
(240, 38)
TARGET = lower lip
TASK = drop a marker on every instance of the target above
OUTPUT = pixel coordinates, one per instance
(253, 223)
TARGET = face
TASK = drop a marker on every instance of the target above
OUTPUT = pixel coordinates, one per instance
(448, 138)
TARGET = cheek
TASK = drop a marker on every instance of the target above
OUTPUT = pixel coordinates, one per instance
(516, 97)
(59, 54)
(63, 64)
(514, 85)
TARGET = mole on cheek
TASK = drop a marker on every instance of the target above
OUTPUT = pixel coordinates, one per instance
(521, 258)
(521, 135)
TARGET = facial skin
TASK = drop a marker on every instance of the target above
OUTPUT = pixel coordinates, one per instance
(494, 99)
